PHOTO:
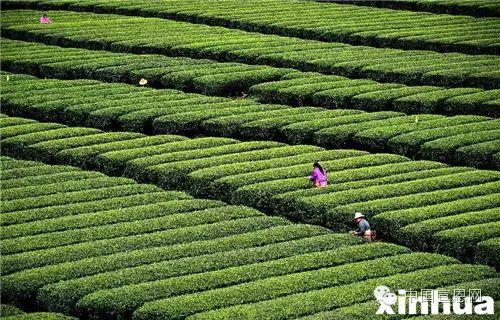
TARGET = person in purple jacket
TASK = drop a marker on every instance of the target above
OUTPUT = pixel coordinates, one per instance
(319, 176)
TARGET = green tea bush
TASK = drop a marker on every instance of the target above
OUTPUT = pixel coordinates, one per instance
(445, 149)
(304, 131)
(121, 301)
(486, 252)
(134, 198)
(289, 285)
(480, 154)
(233, 267)
(170, 204)
(127, 187)
(114, 162)
(390, 222)
(20, 261)
(377, 138)
(49, 178)
(420, 235)
(461, 242)
(327, 298)
(22, 286)
(342, 135)
(410, 143)
(85, 156)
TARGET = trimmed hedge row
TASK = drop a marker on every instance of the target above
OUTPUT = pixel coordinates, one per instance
(35, 169)
(127, 229)
(60, 187)
(356, 25)
(66, 294)
(402, 275)
(203, 76)
(271, 179)
(232, 246)
(122, 301)
(480, 8)
(40, 316)
(84, 156)
(461, 242)
(411, 143)
(114, 162)
(369, 177)
(22, 286)
(274, 287)
(48, 179)
(283, 168)
(488, 287)
(7, 310)
(201, 41)
(445, 149)
(483, 152)
(251, 120)
(330, 206)
(377, 138)
(321, 90)
(336, 92)
(112, 201)
(32, 259)
(486, 252)
(390, 222)
(106, 217)
(128, 187)
(374, 207)
(420, 235)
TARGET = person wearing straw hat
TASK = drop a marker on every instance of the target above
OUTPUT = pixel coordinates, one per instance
(363, 229)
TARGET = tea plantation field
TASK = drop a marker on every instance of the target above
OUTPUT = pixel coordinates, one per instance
(155, 156)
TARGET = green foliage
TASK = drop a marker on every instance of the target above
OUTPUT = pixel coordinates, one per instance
(410, 143)
(203, 41)
(7, 310)
(445, 149)
(461, 242)
(304, 131)
(486, 252)
(114, 162)
(168, 203)
(150, 282)
(207, 77)
(420, 235)
(85, 156)
(389, 222)
(22, 286)
(306, 303)
(31, 259)
(40, 316)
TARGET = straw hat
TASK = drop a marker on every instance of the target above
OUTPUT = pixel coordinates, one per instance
(143, 82)
(358, 215)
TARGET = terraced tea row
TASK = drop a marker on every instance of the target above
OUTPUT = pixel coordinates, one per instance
(230, 267)
(112, 32)
(9, 312)
(471, 140)
(214, 78)
(477, 8)
(191, 257)
(273, 177)
(312, 20)
(336, 92)
(198, 75)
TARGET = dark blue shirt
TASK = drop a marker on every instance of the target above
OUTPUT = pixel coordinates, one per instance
(363, 225)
